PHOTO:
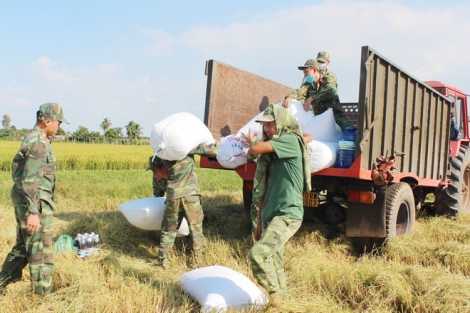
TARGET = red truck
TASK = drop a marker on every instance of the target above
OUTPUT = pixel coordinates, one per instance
(404, 153)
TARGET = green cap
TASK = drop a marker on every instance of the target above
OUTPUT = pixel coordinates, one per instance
(51, 111)
(154, 161)
(323, 56)
(268, 115)
(309, 63)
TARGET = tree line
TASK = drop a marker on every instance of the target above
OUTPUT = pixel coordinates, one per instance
(129, 134)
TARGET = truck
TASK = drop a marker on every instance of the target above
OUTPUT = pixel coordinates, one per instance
(404, 157)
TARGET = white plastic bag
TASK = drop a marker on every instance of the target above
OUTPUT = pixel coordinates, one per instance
(147, 214)
(176, 135)
(217, 288)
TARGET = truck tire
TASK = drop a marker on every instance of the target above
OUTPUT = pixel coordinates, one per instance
(400, 210)
(455, 199)
(400, 213)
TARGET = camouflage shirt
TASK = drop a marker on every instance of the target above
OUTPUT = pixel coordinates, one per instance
(331, 79)
(325, 97)
(33, 170)
(300, 93)
(182, 178)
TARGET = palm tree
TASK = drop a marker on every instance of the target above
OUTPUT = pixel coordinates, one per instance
(133, 130)
(106, 125)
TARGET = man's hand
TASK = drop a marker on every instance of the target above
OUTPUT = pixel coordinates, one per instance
(258, 232)
(307, 103)
(286, 102)
(33, 222)
(250, 137)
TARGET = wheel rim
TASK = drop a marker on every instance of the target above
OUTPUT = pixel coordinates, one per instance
(465, 193)
(403, 218)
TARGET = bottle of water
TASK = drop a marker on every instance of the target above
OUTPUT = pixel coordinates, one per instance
(96, 242)
(80, 244)
(88, 245)
(346, 148)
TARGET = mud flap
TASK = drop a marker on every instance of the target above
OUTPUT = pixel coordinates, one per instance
(367, 220)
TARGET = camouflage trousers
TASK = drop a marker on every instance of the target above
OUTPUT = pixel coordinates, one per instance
(266, 255)
(33, 249)
(190, 208)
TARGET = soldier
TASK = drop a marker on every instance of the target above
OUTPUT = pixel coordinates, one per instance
(323, 59)
(282, 173)
(322, 96)
(300, 93)
(183, 199)
(33, 173)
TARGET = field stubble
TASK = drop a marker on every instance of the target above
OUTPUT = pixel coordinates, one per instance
(428, 271)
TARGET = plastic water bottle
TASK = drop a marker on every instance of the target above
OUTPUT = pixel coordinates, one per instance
(88, 245)
(96, 242)
(80, 244)
(346, 148)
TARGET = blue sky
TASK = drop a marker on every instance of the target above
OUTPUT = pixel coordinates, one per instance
(144, 60)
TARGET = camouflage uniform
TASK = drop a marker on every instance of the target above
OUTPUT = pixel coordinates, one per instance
(325, 97)
(324, 57)
(33, 173)
(183, 200)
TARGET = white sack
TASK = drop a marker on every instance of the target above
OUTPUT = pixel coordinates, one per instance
(147, 214)
(322, 154)
(217, 288)
(296, 108)
(256, 128)
(323, 127)
(231, 151)
(176, 135)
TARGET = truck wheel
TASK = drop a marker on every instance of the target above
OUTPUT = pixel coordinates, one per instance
(399, 220)
(455, 199)
(400, 210)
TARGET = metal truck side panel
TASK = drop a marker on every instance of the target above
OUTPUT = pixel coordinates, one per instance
(234, 97)
(402, 116)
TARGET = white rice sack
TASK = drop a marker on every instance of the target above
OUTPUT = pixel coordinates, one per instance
(231, 151)
(322, 154)
(147, 214)
(296, 108)
(176, 135)
(255, 128)
(218, 288)
(323, 127)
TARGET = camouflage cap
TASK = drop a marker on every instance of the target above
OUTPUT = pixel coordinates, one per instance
(323, 56)
(154, 161)
(309, 63)
(51, 110)
(268, 115)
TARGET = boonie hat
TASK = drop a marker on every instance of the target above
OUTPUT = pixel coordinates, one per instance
(323, 56)
(310, 63)
(51, 110)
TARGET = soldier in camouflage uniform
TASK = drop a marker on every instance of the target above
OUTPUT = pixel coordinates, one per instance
(33, 172)
(322, 96)
(158, 185)
(282, 173)
(323, 59)
(183, 199)
(301, 93)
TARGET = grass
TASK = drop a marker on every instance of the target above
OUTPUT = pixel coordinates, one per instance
(428, 271)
